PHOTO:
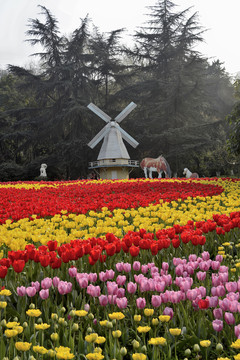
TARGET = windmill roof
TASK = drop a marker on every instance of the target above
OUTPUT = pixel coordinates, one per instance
(113, 146)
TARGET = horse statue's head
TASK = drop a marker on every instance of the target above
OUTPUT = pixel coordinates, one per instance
(185, 170)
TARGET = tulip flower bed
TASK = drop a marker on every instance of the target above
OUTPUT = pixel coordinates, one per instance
(138, 269)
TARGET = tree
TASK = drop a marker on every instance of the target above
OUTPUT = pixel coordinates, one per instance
(234, 120)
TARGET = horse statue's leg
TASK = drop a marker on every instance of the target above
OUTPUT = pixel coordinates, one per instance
(160, 174)
(150, 173)
(145, 172)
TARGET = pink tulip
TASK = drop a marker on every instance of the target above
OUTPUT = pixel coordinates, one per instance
(31, 291)
(218, 313)
(201, 275)
(103, 300)
(131, 287)
(233, 306)
(112, 288)
(190, 270)
(220, 291)
(21, 291)
(72, 271)
(165, 266)
(62, 287)
(36, 284)
(192, 257)
(179, 270)
(233, 296)
(144, 269)
(237, 331)
(215, 265)
(44, 294)
(144, 285)
(121, 279)
(127, 267)
(213, 301)
(204, 266)
(217, 325)
(119, 266)
(202, 290)
(103, 276)
(229, 318)
(219, 258)
(136, 266)
(224, 304)
(168, 311)
(122, 303)
(205, 255)
(160, 286)
(46, 283)
(94, 291)
(231, 286)
(223, 269)
(120, 293)
(192, 294)
(112, 299)
(156, 300)
(110, 274)
(87, 307)
(92, 277)
(141, 303)
(83, 282)
(55, 281)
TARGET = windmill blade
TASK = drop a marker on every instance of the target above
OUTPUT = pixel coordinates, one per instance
(125, 112)
(128, 138)
(99, 112)
(99, 137)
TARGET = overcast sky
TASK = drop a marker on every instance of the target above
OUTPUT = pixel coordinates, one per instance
(220, 18)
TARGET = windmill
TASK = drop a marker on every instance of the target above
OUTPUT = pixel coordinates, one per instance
(113, 160)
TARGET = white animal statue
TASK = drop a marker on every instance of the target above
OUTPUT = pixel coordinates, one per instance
(43, 172)
(189, 174)
(159, 165)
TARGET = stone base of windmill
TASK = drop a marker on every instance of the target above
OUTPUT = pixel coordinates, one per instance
(114, 173)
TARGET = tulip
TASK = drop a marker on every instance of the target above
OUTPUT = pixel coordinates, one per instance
(122, 302)
(229, 318)
(31, 291)
(217, 325)
(55, 281)
(46, 283)
(127, 267)
(21, 291)
(168, 311)
(44, 293)
(136, 266)
(156, 300)
(120, 293)
(103, 300)
(110, 274)
(237, 331)
(201, 275)
(119, 266)
(36, 284)
(231, 286)
(121, 279)
(131, 287)
(141, 303)
(72, 271)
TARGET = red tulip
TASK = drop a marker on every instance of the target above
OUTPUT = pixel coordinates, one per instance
(3, 271)
(18, 265)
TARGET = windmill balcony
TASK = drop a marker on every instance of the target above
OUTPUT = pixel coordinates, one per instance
(113, 163)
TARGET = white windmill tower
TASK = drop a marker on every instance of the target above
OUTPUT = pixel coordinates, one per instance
(113, 161)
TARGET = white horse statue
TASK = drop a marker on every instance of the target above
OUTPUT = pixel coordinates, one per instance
(160, 165)
(189, 174)
(43, 172)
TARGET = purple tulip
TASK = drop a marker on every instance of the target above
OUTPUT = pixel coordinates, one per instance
(44, 294)
(217, 325)
(21, 291)
(87, 307)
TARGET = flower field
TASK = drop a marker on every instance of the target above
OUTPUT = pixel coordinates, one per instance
(132, 269)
